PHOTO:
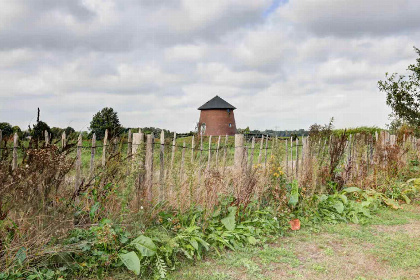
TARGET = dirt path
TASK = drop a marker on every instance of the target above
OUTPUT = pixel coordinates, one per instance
(387, 248)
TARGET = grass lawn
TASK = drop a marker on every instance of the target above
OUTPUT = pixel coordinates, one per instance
(387, 248)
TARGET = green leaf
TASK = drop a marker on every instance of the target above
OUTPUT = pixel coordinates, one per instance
(145, 246)
(229, 222)
(21, 255)
(252, 240)
(339, 206)
(194, 243)
(131, 261)
(352, 189)
(407, 200)
(294, 194)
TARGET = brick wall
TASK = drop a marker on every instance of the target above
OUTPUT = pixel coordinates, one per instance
(217, 122)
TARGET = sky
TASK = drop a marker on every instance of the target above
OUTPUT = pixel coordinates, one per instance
(284, 64)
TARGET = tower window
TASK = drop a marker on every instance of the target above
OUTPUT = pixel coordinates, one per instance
(230, 125)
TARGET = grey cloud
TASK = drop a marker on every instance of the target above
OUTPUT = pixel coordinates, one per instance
(355, 18)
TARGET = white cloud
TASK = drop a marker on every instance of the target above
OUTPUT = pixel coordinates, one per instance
(155, 62)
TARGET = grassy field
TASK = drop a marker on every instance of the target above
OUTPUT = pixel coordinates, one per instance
(387, 248)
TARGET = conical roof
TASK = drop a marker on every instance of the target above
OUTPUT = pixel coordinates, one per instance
(216, 103)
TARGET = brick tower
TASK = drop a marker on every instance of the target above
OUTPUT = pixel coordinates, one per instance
(217, 118)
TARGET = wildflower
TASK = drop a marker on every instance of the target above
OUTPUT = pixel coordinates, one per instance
(275, 218)
(141, 207)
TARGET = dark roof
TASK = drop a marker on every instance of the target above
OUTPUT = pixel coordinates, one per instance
(216, 103)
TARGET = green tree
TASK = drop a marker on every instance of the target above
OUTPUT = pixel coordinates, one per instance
(6, 129)
(38, 130)
(56, 132)
(107, 118)
(69, 130)
(403, 94)
(16, 129)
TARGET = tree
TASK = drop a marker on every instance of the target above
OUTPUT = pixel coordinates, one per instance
(69, 130)
(403, 93)
(105, 119)
(6, 129)
(38, 130)
(56, 132)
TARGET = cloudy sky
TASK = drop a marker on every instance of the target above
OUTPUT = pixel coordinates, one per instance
(283, 64)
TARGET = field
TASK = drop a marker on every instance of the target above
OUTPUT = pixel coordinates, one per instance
(217, 212)
(388, 247)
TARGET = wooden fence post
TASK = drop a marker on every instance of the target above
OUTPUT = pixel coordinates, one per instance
(251, 159)
(265, 155)
(92, 153)
(47, 138)
(225, 154)
(173, 153)
(297, 158)
(149, 167)
(181, 172)
(162, 167)
(78, 162)
(63, 140)
(129, 144)
(261, 146)
(217, 152)
(192, 149)
(1, 138)
(104, 148)
(209, 156)
(291, 156)
(15, 153)
(239, 153)
(287, 158)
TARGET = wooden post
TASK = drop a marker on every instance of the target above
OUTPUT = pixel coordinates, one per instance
(181, 172)
(78, 162)
(287, 158)
(63, 140)
(291, 156)
(129, 145)
(149, 167)
(297, 158)
(92, 153)
(173, 152)
(104, 148)
(239, 152)
(251, 159)
(224, 154)
(162, 168)
(302, 162)
(15, 153)
(209, 157)
(47, 138)
(192, 149)
(217, 151)
(265, 154)
(1, 138)
(261, 146)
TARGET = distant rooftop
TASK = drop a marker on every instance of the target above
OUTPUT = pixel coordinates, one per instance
(216, 103)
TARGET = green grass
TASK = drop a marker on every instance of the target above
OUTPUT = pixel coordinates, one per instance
(386, 248)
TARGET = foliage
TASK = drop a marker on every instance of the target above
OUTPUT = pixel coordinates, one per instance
(107, 118)
(403, 93)
(6, 129)
(338, 207)
(38, 130)
(364, 130)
